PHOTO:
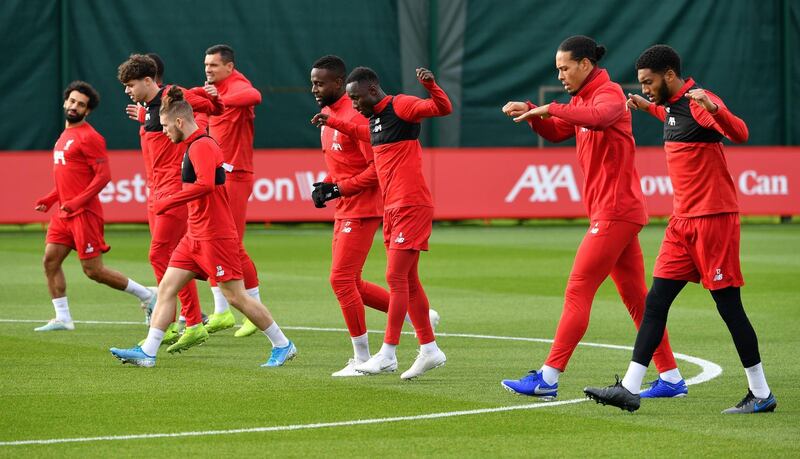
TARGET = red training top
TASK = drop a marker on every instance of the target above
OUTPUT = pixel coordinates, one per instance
(393, 132)
(80, 170)
(233, 128)
(162, 158)
(351, 165)
(701, 182)
(601, 123)
(207, 200)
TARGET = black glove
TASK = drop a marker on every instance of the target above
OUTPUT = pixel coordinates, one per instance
(324, 191)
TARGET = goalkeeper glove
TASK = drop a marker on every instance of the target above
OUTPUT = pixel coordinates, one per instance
(324, 191)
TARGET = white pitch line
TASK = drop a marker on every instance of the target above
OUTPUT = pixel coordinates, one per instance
(710, 370)
(321, 425)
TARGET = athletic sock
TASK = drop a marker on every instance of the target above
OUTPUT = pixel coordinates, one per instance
(220, 302)
(276, 336)
(361, 347)
(254, 293)
(757, 381)
(138, 290)
(672, 376)
(633, 377)
(153, 340)
(429, 348)
(182, 318)
(550, 374)
(62, 309)
(388, 351)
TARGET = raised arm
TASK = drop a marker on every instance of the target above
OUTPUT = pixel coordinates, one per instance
(348, 128)
(637, 102)
(414, 109)
(711, 113)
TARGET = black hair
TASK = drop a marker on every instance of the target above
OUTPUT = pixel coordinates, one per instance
(332, 63)
(87, 90)
(362, 74)
(159, 65)
(581, 46)
(659, 59)
(225, 52)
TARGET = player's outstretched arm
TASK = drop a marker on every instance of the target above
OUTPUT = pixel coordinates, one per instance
(637, 102)
(46, 202)
(358, 131)
(608, 106)
(711, 113)
(552, 129)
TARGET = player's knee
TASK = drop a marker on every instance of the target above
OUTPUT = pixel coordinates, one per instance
(342, 281)
(94, 273)
(656, 305)
(50, 264)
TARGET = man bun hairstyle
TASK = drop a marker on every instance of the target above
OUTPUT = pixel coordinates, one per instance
(174, 105)
(581, 46)
(137, 67)
(224, 51)
(363, 74)
(87, 90)
(659, 59)
(333, 64)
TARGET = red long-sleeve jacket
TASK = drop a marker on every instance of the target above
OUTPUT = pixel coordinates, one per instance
(393, 131)
(80, 171)
(233, 128)
(701, 182)
(351, 165)
(601, 123)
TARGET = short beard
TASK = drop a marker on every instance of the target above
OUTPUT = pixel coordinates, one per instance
(74, 119)
(663, 94)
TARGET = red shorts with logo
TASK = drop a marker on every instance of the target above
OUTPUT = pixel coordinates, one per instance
(702, 249)
(82, 233)
(217, 259)
(407, 228)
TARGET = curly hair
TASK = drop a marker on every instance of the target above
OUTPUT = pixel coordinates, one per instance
(659, 59)
(174, 105)
(137, 66)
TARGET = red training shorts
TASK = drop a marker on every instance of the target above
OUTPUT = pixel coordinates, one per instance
(407, 228)
(82, 233)
(217, 259)
(702, 249)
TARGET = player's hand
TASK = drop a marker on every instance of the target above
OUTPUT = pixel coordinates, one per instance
(515, 109)
(637, 102)
(424, 75)
(210, 89)
(41, 208)
(702, 99)
(324, 191)
(320, 119)
(542, 112)
(132, 110)
(66, 208)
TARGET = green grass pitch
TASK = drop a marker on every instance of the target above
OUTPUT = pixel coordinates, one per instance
(502, 281)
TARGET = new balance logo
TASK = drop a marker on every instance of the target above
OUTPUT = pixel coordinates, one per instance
(595, 229)
(400, 239)
(58, 157)
(718, 276)
(347, 228)
(671, 121)
(89, 249)
(220, 271)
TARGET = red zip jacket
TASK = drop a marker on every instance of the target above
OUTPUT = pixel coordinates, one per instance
(233, 128)
(601, 123)
(393, 131)
(207, 200)
(701, 182)
(162, 158)
(80, 171)
(351, 165)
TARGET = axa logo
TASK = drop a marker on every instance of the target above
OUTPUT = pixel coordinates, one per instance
(544, 182)
(400, 238)
(220, 271)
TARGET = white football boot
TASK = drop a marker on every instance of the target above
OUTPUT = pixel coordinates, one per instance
(56, 325)
(377, 364)
(349, 369)
(423, 363)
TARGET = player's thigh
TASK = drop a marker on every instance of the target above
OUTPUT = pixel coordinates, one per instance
(174, 280)
(352, 243)
(55, 254)
(601, 248)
